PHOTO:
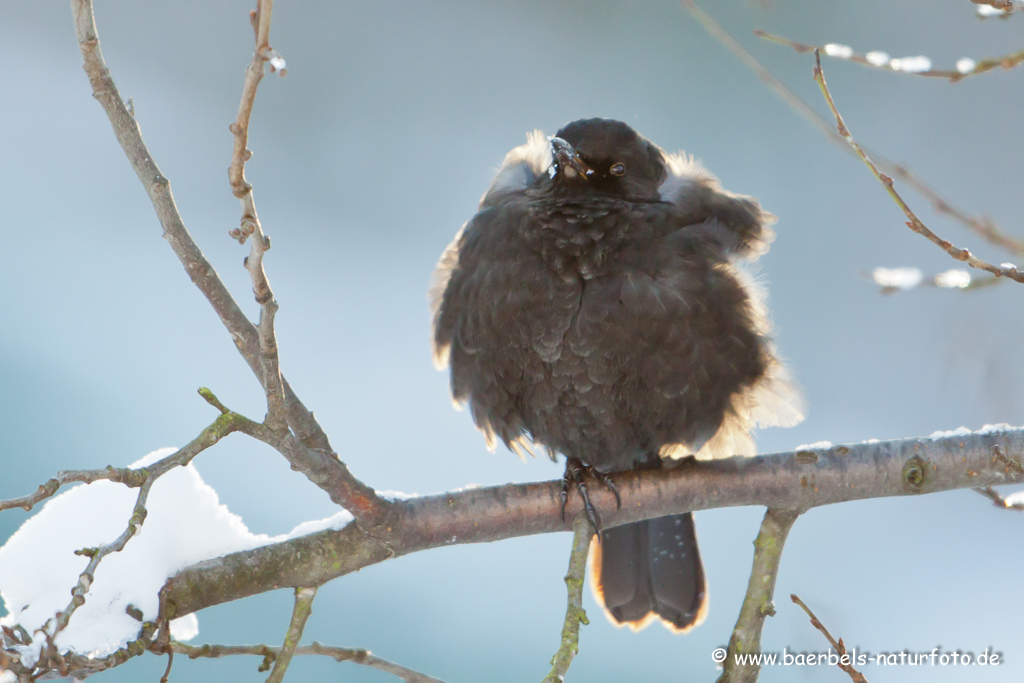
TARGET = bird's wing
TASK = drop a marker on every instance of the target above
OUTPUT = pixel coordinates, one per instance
(497, 313)
(689, 330)
(520, 169)
(736, 222)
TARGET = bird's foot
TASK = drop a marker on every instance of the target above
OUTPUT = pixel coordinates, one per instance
(575, 475)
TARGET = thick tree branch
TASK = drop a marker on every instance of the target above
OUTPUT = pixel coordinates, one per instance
(757, 605)
(796, 481)
(317, 461)
(582, 534)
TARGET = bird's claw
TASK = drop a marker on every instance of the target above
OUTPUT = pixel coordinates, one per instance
(575, 474)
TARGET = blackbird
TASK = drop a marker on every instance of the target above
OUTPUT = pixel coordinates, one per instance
(595, 306)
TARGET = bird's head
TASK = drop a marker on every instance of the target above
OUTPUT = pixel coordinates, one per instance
(606, 156)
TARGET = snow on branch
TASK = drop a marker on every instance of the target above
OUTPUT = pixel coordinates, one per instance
(917, 66)
(998, 8)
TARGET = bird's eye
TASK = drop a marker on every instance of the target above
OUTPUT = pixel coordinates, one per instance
(618, 169)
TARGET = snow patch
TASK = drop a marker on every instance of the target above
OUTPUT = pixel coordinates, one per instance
(999, 427)
(877, 58)
(396, 495)
(186, 523)
(897, 278)
(956, 279)
(959, 431)
(814, 446)
(840, 51)
(966, 65)
(990, 11)
(913, 65)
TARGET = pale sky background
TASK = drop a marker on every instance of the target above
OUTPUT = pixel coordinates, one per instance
(368, 157)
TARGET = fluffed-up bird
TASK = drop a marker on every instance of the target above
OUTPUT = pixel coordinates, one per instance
(596, 306)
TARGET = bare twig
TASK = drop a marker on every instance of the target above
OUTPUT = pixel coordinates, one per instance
(879, 60)
(757, 605)
(982, 226)
(300, 613)
(315, 459)
(998, 500)
(574, 612)
(838, 646)
(250, 223)
(134, 478)
(914, 223)
(340, 654)
(121, 475)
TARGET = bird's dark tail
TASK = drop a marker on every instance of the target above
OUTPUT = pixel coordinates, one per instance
(650, 570)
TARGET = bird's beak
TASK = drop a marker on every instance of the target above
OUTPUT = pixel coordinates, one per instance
(569, 160)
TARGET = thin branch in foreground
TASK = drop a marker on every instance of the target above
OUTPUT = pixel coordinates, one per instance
(915, 66)
(300, 613)
(316, 459)
(757, 605)
(838, 646)
(1008, 270)
(982, 226)
(574, 612)
(339, 654)
(998, 500)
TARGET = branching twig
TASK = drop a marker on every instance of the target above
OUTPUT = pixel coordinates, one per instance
(879, 60)
(134, 478)
(574, 612)
(340, 654)
(982, 226)
(914, 223)
(143, 478)
(300, 613)
(838, 646)
(757, 605)
(315, 459)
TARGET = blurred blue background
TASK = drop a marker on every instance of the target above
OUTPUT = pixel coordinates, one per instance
(368, 157)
